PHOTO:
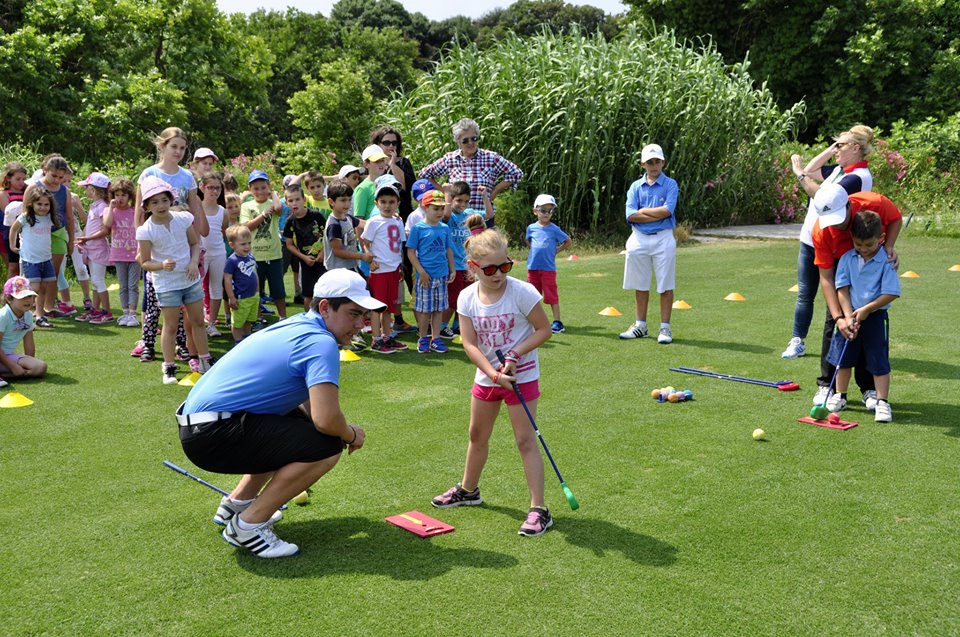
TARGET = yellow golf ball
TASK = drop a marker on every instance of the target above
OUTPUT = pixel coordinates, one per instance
(759, 434)
(302, 499)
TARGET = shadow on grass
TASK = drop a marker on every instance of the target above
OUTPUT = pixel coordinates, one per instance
(925, 414)
(749, 348)
(602, 537)
(56, 379)
(351, 545)
(925, 369)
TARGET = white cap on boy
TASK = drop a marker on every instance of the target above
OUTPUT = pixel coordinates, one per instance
(343, 283)
(651, 151)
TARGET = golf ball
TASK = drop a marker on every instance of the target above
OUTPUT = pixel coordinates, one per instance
(302, 499)
(759, 434)
(672, 398)
(655, 394)
(687, 394)
(833, 419)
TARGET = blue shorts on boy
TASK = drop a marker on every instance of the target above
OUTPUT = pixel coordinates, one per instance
(544, 241)
(432, 298)
(873, 340)
(431, 244)
(243, 271)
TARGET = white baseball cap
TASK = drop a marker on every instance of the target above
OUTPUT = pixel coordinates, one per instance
(346, 170)
(543, 200)
(203, 153)
(651, 151)
(343, 283)
(373, 153)
(830, 203)
(151, 186)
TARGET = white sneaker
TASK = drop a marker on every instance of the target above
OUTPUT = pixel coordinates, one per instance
(665, 336)
(170, 374)
(212, 331)
(836, 403)
(870, 400)
(821, 396)
(635, 331)
(132, 320)
(261, 541)
(795, 348)
(884, 413)
(228, 509)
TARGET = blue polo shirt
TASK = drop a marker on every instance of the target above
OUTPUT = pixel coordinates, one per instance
(867, 279)
(272, 371)
(663, 192)
(543, 246)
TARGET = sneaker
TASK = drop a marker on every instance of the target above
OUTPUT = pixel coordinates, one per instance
(870, 400)
(537, 522)
(404, 328)
(147, 355)
(132, 320)
(884, 413)
(265, 310)
(183, 353)
(635, 331)
(396, 345)
(381, 346)
(261, 541)
(447, 333)
(439, 346)
(44, 323)
(67, 309)
(266, 299)
(357, 344)
(795, 348)
(87, 304)
(665, 336)
(821, 396)
(194, 364)
(3, 383)
(423, 345)
(228, 509)
(206, 363)
(169, 374)
(456, 496)
(212, 331)
(103, 318)
(86, 316)
(836, 403)
(56, 313)
(557, 327)
(137, 349)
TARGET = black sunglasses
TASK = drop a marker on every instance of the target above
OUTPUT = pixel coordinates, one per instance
(467, 140)
(389, 142)
(490, 270)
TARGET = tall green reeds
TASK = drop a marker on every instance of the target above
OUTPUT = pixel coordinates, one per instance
(573, 111)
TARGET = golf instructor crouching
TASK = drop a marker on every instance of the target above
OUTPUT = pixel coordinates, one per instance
(270, 409)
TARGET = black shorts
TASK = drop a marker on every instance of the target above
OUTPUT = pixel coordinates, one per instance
(309, 276)
(873, 341)
(256, 443)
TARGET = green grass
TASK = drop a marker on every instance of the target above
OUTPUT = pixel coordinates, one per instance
(686, 525)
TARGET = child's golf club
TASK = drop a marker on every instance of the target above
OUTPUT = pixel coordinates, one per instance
(182, 471)
(567, 492)
(820, 412)
(782, 385)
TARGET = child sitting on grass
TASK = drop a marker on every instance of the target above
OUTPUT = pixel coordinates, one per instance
(16, 326)
(499, 312)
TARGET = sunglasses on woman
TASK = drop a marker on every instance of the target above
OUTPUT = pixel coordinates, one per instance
(389, 142)
(467, 140)
(490, 270)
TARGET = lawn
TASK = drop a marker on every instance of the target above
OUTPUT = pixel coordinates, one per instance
(686, 526)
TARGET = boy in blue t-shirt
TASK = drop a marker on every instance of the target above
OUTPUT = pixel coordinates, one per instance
(455, 215)
(545, 240)
(866, 286)
(240, 282)
(430, 248)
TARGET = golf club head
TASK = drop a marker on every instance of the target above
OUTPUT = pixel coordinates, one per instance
(819, 412)
(571, 499)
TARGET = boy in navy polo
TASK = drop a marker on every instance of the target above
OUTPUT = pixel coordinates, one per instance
(545, 239)
(866, 284)
(651, 202)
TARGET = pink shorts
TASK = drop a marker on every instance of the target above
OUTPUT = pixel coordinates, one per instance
(455, 287)
(384, 286)
(529, 391)
(546, 283)
(13, 357)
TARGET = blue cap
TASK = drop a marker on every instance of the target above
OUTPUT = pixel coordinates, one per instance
(420, 187)
(257, 174)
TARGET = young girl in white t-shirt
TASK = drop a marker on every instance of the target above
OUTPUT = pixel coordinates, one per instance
(499, 312)
(214, 250)
(170, 249)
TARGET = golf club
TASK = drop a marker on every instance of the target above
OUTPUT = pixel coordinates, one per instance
(182, 471)
(780, 385)
(820, 412)
(567, 492)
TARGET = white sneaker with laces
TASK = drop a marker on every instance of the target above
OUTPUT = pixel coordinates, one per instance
(795, 348)
(212, 331)
(884, 413)
(261, 541)
(821, 396)
(634, 331)
(170, 374)
(836, 403)
(870, 400)
(665, 336)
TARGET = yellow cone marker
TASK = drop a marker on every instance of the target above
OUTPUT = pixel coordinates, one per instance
(573, 257)
(954, 268)
(457, 340)
(795, 288)
(909, 274)
(734, 296)
(610, 311)
(681, 305)
(346, 356)
(14, 399)
(113, 288)
(190, 379)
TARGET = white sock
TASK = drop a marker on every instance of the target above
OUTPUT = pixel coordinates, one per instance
(664, 325)
(246, 526)
(642, 324)
(241, 502)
